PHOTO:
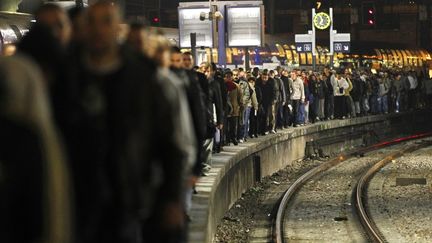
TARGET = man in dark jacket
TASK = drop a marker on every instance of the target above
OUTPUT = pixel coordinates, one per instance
(212, 101)
(195, 97)
(129, 135)
(218, 94)
(280, 98)
(329, 95)
(357, 93)
(267, 88)
(217, 76)
(287, 113)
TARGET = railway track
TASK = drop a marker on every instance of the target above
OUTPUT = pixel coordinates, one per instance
(370, 231)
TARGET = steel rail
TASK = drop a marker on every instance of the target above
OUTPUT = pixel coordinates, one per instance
(290, 192)
(360, 201)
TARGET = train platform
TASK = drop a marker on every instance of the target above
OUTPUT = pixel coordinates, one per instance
(238, 168)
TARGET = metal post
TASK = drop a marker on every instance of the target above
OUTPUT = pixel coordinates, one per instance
(193, 47)
(221, 41)
(314, 54)
(313, 34)
(247, 58)
(331, 37)
(331, 61)
(314, 62)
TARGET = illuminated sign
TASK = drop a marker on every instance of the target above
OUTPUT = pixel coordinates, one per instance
(244, 26)
(303, 47)
(322, 21)
(189, 22)
(342, 47)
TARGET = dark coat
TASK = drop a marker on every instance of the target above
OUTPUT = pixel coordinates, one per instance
(267, 90)
(285, 81)
(212, 96)
(330, 91)
(223, 91)
(358, 89)
(21, 183)
(318, 89)
(196, 99)
(308, 95)
(119, 131)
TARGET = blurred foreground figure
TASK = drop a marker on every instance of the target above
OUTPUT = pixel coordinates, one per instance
(129, 135)
(35, 199)
(34, 181)
(56, 18)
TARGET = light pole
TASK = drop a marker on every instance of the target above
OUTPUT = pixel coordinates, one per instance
(215, 16)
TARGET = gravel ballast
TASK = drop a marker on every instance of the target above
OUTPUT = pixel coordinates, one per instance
(322, 210)
(403, 211)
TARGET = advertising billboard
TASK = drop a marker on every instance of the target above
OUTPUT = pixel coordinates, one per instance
(189, 22)
(245, 26)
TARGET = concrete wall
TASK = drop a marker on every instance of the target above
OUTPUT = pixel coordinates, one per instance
(237, 169)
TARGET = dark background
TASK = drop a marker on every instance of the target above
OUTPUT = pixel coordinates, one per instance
(404, 22)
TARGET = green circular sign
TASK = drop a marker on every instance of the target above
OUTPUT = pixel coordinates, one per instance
(322, 21)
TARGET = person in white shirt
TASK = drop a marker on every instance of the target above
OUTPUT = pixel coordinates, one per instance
(339, 85)
(297, 96)
(413, 83)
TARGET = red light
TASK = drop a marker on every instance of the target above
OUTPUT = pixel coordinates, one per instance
(156, 20)
(371, 22)
(370, 11)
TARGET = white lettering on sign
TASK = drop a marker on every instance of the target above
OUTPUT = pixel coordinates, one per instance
(245, 12)
(188, 14)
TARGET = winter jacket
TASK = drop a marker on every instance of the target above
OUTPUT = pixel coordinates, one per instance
(339, 86)
(286, 84)
(297, 87)
(358, 89)
(36, 200)
(119, 127)
(213, 102)
(350, 87)
(384, 87)
(267, 90)
(280, 90)
(329, 86)
(246, 91)
(254, 99)
(235, 99)
(317, 89)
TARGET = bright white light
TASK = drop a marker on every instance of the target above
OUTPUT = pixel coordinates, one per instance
(192, 13)
(244, 26)
(244, 13)
(189, 22)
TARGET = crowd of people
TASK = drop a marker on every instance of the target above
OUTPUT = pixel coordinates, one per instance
(259, 102)
(282, 98)
(103, 140)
